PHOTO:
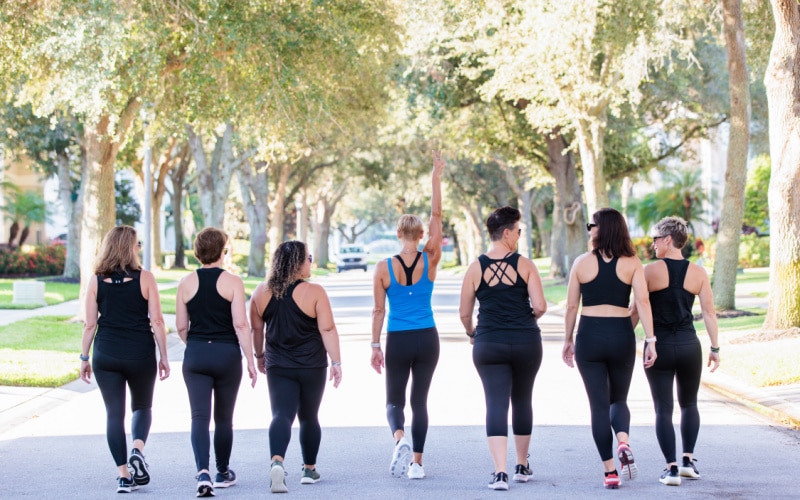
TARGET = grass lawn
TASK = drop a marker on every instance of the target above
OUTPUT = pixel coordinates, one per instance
(40, 352)
(55, 292)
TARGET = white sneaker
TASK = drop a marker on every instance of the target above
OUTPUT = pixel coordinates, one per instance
(416, 471)
(401, 458)
(277, 477)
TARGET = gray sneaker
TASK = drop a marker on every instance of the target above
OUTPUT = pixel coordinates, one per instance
(277, 476)
(310, 476)
(688, 469)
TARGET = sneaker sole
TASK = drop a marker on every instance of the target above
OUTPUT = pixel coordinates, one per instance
(688, 472)
(225, 484)
(277, 478)
(205, 490)
(521, 478)
(140, 473)
(629, 468)
(501, 486)
(401, 461)
(670, 481)
(309, 480)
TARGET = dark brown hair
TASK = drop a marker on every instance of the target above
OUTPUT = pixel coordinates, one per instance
(612, 236)
(286, 267)
(209, 244)
(501, 219)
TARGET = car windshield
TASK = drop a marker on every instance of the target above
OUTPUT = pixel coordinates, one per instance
(352, 250)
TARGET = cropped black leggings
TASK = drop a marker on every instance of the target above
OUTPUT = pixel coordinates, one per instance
(605, 352)
(684, 363)
(113, 375)
(507, 372)
(295, 392)
(412, 353)
(212, 368)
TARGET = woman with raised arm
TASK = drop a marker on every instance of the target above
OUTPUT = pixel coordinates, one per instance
(507, 342)
(605, 348)
(412, 340)
(125, 335)
(300, 336)
(674, 283)
(211, 319)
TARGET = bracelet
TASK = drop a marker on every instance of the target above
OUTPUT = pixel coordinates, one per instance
(650, 340)
(376, 345)
(715, 349)
(336, 363)
(260, 356)
(470, 334)
(86, 358)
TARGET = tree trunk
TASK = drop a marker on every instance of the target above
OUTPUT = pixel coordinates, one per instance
(13, 231)
(475, 240)
(568, 238)
(171, 157)
(178, 177)
(73, 210)
(97, 188)
(254, 185)
(277, 206)
(726, 262)
(23, 235)
(525, 200)
(214, 178)
(591, 139)
(782, 80)
(326, 200)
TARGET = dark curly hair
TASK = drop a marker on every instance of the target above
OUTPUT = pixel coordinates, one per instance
(287, 261)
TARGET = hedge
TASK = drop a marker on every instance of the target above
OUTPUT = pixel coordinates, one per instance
(32, 261)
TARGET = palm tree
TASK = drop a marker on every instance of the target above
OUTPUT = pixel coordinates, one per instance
(24, 208)
(681, 195)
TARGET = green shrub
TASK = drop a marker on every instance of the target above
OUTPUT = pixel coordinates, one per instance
(39, 261)
(753, 251)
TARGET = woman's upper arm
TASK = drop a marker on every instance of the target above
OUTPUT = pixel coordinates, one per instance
(378, 287)
(90, 306)
(323, 309)
(256, 321)
(153, 298)
(238, 311)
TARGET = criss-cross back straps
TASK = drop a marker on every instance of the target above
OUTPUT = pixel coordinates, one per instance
(499, 272)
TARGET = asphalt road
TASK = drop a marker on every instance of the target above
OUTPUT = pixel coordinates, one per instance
(62, 452)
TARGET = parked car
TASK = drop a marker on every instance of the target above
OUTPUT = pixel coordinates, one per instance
(351, 257)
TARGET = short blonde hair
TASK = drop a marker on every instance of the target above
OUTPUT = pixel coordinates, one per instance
(409, 227)
(673, 226)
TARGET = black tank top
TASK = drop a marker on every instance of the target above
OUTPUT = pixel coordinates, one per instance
(505, 314)
(293, 337)
(210, 318)
(123, 328)
(606, 288)
(672, 306)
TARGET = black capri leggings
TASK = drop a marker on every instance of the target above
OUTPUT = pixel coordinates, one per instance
(684, 363)
(414, 353)
(507, 372)
(212, 368)
(295, 392)
(112, 375)
(605, 352)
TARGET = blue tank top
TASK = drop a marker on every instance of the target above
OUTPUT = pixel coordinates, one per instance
(123, 328)
(293, 337)
(410, 305)
(606, 288)
(505, 314)
(210, 317)
(672, 306)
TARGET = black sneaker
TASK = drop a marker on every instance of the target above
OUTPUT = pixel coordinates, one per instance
(671, 476)
(138, 467)
(688, 469)
(225, 479)
(126, 485)
(499, 481)
(204, 486)
(522, 473)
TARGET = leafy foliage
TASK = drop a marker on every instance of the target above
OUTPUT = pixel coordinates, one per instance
(756, 203)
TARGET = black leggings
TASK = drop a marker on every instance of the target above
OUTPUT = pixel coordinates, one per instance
(295, 392)
(112, 375)
(414, 353)
(684, 363)
(507, 372)
(212, 368)
(605, 352)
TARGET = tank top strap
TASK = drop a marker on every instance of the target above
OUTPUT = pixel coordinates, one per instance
(408, 270)
(677, 270)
